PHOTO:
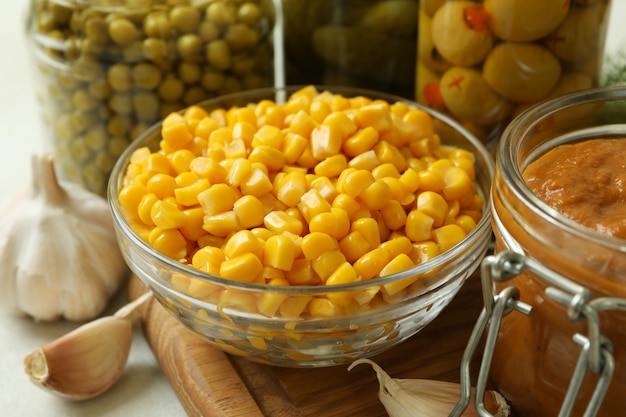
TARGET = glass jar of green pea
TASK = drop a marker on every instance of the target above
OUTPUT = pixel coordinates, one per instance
(106, 70)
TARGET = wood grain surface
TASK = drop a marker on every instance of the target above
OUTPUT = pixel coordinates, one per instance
(210, 383)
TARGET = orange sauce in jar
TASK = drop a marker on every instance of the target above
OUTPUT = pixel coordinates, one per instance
(559, 197)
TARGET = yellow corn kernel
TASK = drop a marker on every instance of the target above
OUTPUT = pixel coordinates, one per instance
(194, 219)
(354, 245)
(387, 153)
(399, 191)
(217, 199)
(279, 222)
(205, 127)
(180, 160)
(371, 263)
(273, 116)
(270, 301)
(162, 185)
(418, 226)
(208, 259)
(383, 230)
(301, 273)
(221, 136)
(295, 213)
(175, 132)
(447, 236)
(157, 163)
(313, 203)
(130, 196)
(271, 273)
(293, 306)
(169, 242)
(377, 195)
(467, 223)
(279, 252)
(411, 179)
(221, 224)
(293, 147)
(244, 131)
(243, 241)
(376, 114)
(335, 223)
(361, 141)
(319, 110)
(434, 205)
(316, 243)
(325, 142)
(245, 267)
(185, 179)
(180, 282)
(353, 182)
(188, 196)
(239, 169)
(397, 245)
(424, 251)
(272, 158)
(394, 215)
(208, 168)
(235, 148)
(307, 159)
(262, 233)
(325, 264)
(467, 165)
(257, 183)
(144, 208)
(331, 166)
(267, 135)
(340, 123)
(366, 160)
(291, 187)
(344, 274)
(421, 123)
(457, 183)
(368, 227)
(202, 290)
(346, 203)
(431, 181)
(402, 262)
(385, 170)
(271, 203)
(249, 211)
(325, 186)
(302, 124)
(323, 308)
(166, 215)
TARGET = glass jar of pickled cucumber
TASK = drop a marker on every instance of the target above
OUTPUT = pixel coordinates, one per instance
(485, 61)
(105, 70)
(359, 43)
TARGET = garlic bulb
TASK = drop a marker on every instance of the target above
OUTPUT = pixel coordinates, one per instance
(427, 398)
(89, 360)
(58, 253)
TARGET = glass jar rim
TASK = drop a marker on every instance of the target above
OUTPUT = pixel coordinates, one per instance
(510, 168)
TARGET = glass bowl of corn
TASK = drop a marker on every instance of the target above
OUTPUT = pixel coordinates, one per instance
(303, 226)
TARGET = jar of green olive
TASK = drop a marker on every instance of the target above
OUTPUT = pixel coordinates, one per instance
(105, 70)
(485, 61)
(369, 44)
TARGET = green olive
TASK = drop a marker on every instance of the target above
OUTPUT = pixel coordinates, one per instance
(222, 13)
(456, 38)
(523, 72)
(525, 20)
(249, 13)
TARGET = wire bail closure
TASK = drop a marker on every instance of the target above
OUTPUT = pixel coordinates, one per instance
(596, 355)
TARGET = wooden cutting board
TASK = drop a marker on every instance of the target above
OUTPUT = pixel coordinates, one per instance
(210, 383)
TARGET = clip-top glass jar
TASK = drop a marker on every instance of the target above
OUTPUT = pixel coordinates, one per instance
(573, 277)
(484, 61)
(108, 69)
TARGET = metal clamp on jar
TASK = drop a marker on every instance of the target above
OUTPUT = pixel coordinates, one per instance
(554, 321)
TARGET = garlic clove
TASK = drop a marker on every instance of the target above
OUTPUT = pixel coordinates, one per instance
(427, 398)
(89, 360)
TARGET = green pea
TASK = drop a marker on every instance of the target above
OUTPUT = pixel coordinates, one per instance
(185, 18)
(122, 31)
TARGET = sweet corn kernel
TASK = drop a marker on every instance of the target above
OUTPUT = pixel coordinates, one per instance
(302, 124)
(370, 264)
(209, 259)
(279, 222)
(271, 273)
(431, 181)
(398, 245)
(167, 215)
(366, 161)
(332, 166)
(346, 203)
(418, 226)
(185, 179)
(457, 183)
(368, 227)
(170, 242)
(243, 241)
(144, 208)
(249, 211)
(157, 163)
(387, 153)
(325, 186)
(293, 147)
(194, 219)
(376, 114)
(377, 195)
(245, 267)
(238, 169)
(399, 191)
(424, 251)
(361, 141)
(341, 123)
(291, 187)
(434, 205)
(205, 127)
(162, 185)
(354, 181)
(447, 236)
(180, 160)
(313, 203)
(301, 273)
(279, 252)
(325, 142)
(335, 223)
(343, 274)
(130, 196)
(235, 148)
(221, 224)
(270, 301)
(465, 222)
(325, 264)
(354, 245)
(257, 183)
(294, 306)
(316, 243)
(244, 131)
(271, 157)
(217, 199)
(175, 132)
(208, 168)
(385, 170)
(188, 196)
(323, 307)
(400, 263)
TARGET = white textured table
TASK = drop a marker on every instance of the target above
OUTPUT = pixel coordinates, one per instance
(143, 389)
